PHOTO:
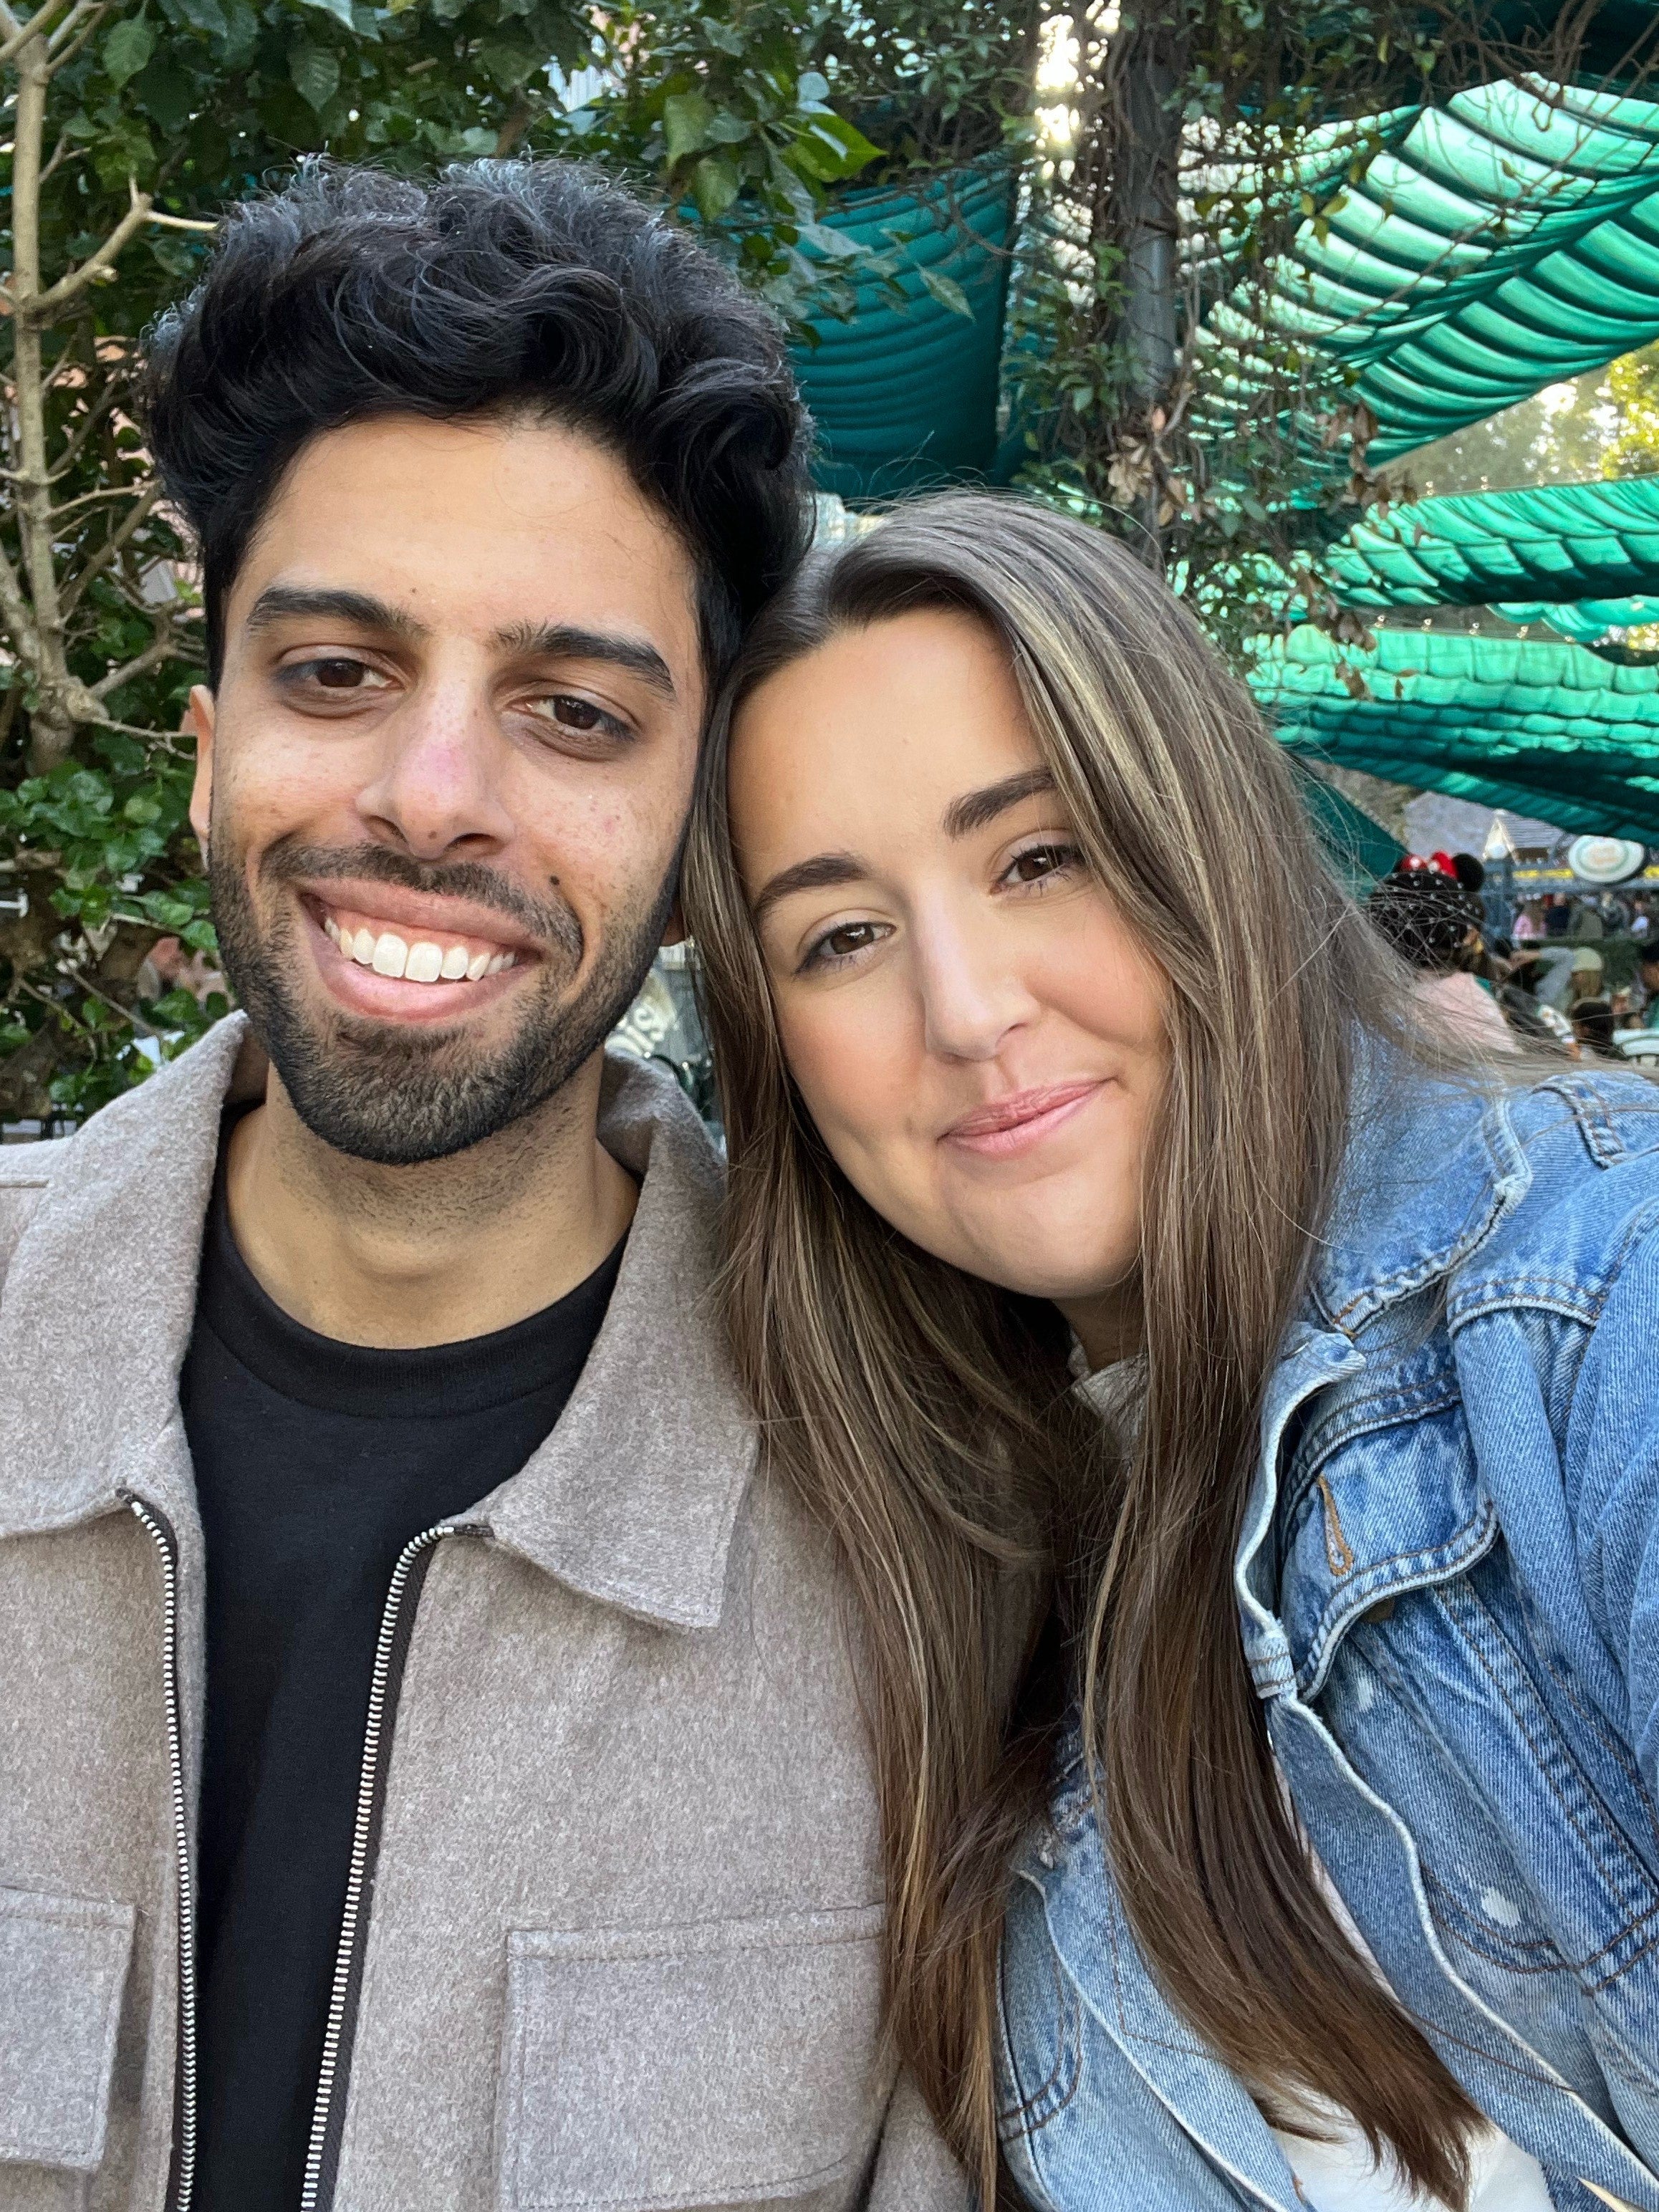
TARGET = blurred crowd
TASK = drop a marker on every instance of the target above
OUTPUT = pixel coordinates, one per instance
(1577, 972)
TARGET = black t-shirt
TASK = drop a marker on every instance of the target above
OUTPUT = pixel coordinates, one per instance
(316, 1462)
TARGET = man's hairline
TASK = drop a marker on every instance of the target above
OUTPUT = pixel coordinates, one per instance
(541, 413)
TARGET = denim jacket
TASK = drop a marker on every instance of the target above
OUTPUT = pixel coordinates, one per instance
(1447, 1585)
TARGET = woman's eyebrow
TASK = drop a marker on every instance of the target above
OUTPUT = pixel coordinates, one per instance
(975, 809)
(817, 874)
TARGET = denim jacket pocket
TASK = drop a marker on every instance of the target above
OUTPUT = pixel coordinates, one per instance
(63, 1970)
(732, 2062)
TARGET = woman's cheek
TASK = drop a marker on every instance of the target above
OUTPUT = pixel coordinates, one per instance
(845, 1065)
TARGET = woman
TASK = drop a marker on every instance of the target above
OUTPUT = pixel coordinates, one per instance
(1042, 1031)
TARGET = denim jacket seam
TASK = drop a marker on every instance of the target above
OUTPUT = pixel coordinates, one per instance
(1410, 1403)
(1617, 1879)
(1477, 1937)
(1025, 2114)
(1461, 1551)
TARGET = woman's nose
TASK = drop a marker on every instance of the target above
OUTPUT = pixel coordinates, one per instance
(973, 995)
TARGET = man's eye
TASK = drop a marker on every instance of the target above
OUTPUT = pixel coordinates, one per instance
(581, 715)
(336, 673)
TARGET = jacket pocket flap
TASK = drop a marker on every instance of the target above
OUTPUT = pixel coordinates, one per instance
(730, 2062)
(63, 1968)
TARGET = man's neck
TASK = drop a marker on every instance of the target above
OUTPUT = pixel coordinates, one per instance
(405, 1256)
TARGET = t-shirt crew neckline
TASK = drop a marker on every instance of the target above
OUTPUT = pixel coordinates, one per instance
(376, 1381)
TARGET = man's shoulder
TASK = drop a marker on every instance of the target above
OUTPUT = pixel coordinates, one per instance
(26, 1173)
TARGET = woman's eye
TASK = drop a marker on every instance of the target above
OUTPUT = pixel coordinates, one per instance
(1038, 861)
(844, 943)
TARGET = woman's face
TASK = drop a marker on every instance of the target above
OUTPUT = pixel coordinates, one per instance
(975, 1033)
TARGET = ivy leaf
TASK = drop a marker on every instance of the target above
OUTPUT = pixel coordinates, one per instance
(832, 150)
(714, 186)
(316, 74)
(945, 290)
(686, 116)
(126, 50)
(340, 10)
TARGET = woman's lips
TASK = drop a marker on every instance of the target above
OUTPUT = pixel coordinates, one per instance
(1021, 1120)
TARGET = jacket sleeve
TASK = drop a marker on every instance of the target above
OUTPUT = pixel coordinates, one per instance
(1611, 1466)
(914, 2172)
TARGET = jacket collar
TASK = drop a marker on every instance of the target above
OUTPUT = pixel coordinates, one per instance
(632, 1499)
(1430, 1169)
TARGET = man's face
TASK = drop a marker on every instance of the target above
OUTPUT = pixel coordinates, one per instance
(444, 774)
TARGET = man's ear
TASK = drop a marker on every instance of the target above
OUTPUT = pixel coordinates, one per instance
(198, 717)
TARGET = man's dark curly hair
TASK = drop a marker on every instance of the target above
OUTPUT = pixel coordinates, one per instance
(498, 285)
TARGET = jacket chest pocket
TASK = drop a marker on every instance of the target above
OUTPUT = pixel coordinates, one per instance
(732, 2062)
(63, 1969)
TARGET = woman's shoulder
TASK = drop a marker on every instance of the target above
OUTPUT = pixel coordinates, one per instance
(1460, 1182)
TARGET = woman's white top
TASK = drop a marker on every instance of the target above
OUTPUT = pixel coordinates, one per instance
(1337, 2174)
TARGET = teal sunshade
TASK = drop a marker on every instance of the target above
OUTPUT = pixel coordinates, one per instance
(1505, 241)
(1557, 543)
(1548, 729)
(905, 395)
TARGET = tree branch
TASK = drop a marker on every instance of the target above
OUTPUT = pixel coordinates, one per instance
(111, 547)
(17, 34)
(44, 306)
(164, 645)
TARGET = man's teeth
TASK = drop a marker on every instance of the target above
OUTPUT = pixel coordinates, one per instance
(424, 962)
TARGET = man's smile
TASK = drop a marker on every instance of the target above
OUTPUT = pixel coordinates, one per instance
(407, 955)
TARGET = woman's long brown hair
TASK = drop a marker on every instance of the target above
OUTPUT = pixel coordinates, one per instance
(925, 1417)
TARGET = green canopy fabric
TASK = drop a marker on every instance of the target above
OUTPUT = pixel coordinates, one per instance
(1502, 242)
(1559, 541)
(1586, 622)
(1360, 850)
(905, 395)
(1544, 728)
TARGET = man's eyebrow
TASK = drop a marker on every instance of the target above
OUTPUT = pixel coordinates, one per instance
(819, 873)
(975, 809)
(563, 642)
(278, 602)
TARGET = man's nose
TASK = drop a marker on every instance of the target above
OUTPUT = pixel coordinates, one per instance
(973, 994)
(439, 783)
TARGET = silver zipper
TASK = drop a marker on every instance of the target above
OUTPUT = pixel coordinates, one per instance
(348, 1961)
(184, 2161)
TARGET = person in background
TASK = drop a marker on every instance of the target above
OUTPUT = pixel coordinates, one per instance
(1528, 927)
(1593, 1021)
(1588, 969)
(1432, 916)
(1647, 978)
(1558, 915)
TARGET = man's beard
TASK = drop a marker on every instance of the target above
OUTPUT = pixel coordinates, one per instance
(396, 1093)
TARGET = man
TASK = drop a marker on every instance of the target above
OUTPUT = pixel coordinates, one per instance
(431, 1768)
(1585, 976)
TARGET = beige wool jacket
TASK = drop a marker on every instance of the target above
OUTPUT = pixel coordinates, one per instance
(612, 1938)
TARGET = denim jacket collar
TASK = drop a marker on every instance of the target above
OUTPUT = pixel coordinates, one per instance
(1426, 1177)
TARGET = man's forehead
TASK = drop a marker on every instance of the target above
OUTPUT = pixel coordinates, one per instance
(487, 527)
